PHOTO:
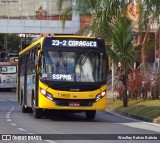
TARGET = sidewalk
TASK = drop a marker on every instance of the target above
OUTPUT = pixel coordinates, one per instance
(146, 119)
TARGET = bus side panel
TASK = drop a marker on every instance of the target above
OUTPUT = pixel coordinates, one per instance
(29, 90)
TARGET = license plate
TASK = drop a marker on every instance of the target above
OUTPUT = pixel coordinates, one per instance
(74, 104)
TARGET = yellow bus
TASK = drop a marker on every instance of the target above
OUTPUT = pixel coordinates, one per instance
(63, 73)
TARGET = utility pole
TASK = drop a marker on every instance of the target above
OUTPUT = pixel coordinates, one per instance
(112, 79)
(112, 76)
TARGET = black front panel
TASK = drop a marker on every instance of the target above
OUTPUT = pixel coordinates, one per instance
(74, 102)
(68, 86)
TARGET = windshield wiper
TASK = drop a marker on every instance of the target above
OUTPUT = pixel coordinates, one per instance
(84, 58)
(62, 58)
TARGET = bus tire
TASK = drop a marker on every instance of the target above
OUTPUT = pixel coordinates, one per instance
(37, 113)
(21, 100)
(90, 114)
(24, 110)
(30, 110)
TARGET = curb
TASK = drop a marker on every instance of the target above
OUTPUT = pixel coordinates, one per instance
(135, 116)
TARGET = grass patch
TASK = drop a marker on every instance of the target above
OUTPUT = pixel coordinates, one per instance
(140, 107)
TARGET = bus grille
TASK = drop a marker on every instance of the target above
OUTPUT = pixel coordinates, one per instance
(74, 102)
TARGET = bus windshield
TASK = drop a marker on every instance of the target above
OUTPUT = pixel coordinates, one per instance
(73, 66)
(13, 59)
(8, 69)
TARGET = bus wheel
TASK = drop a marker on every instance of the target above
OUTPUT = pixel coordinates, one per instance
(30, 110)
(90, 114)
(24, 110)
(37, 113)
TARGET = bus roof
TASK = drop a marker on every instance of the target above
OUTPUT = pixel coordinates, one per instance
(73, 36)
(33, 44)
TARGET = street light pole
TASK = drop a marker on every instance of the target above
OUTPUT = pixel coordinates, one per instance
(112, 76)
(112, 79)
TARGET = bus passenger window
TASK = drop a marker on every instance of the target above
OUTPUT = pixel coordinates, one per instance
(4, 69)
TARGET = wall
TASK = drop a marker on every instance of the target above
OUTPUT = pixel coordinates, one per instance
(35, 16)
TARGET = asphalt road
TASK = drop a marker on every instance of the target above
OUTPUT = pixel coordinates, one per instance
(71, 128)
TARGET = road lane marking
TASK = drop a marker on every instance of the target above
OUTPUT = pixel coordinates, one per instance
(2, 100)
(13, 124)
(12, 99)
(13, 107)
(7, 117)
(8, 114)
(9, 120)
(50, 141)
(21, 129)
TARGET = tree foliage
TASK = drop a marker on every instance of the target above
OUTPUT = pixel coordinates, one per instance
(13, 41)
(122, 48)
(109, 20)
(104, 13)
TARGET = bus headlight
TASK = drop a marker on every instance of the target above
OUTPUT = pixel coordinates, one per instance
(46, 94)
(43, 91)
(100, 96)
(49, 96)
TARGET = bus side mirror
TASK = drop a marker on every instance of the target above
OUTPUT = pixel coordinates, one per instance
(39, 62)
(40, 59)
(33, 79)
(37, 69)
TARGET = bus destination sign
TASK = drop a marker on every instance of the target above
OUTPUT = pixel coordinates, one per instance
(74, 43)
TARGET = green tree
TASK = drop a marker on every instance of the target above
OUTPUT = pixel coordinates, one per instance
(1, 41)
(123, 50)
(13, 41)
(149, 14)
(109, 21)
(103, 13)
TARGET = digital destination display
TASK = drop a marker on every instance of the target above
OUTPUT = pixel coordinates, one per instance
(74, 43)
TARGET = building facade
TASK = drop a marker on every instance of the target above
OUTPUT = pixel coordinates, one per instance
(35, 16)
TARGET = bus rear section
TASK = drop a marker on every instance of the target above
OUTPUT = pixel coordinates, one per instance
(8, 75)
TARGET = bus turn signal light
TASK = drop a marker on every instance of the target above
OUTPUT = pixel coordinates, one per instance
(46, 94)
(100, 96)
